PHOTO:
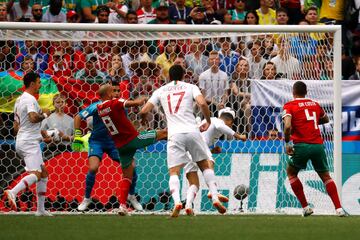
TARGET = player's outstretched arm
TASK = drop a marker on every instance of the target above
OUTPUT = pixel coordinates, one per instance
(201, 102)
(136, 102)
(241, 137)
(144, 112)
(78, 142)
(324, 119)
(216, 150)
(287, 133)
(226, 130)
(35, 117)
(77, 122)
(16, 127)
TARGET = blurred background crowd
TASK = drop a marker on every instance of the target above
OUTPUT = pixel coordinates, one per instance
(221, 67)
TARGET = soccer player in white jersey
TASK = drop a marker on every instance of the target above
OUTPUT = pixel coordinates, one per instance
(27, 125)
(218, 127)
(177, 99)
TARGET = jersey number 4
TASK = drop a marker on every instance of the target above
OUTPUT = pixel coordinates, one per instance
(110, 125)
(181, 96)
(311, 117)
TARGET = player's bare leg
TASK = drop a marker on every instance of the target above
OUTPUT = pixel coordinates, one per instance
(221, 197)
(41, 187)
(332, 191)
(174, 185)
(125, 184)
(194, 184)
(298, 189)
(25, 182)
(94, 163)
(209, 177)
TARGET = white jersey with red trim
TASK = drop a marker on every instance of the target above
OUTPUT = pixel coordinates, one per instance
(177, 99)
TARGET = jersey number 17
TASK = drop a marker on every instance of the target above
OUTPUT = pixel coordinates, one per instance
(169, 96)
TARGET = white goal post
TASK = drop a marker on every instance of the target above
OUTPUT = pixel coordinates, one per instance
(125, 32)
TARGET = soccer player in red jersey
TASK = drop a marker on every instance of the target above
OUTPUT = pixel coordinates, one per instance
(301, 118)
(127, 139)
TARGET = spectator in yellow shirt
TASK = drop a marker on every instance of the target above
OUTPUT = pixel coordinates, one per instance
(166, 59)
(267, 16)
(332, 10)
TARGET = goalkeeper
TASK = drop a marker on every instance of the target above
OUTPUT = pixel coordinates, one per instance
(99, 143)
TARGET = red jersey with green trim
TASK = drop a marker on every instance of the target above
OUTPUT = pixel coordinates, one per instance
(305, 115)
(113, 114)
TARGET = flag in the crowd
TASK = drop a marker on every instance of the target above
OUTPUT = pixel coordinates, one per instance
(269, 96)
(79, 94)
(11, 87)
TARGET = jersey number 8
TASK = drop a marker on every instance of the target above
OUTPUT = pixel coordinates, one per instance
(110, 125)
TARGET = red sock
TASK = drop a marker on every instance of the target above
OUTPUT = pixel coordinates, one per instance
(124, 190)
(332, 191)
(297, 188)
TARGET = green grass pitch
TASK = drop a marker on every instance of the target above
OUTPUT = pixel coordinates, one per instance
(145, 227)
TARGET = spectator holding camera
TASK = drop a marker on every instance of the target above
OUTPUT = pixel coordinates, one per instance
(197, 16)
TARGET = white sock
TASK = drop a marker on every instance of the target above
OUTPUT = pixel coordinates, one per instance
(190, 196)
(174, 185)
(209, 177)
(27, 181)
(41, 192)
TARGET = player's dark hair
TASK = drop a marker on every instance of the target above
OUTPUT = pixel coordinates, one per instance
(300, 89)
(227, 116)
(29, 78)
(176, 73)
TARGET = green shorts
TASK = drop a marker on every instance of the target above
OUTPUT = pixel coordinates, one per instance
(304, 152)
(128, 151)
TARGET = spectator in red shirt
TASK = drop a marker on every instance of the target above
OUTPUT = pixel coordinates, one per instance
(58, 66)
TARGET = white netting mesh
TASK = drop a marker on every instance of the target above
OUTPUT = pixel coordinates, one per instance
(75, 63)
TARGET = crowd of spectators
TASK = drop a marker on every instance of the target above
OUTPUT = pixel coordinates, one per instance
(221, 67)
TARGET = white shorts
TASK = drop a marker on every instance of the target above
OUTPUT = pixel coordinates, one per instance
(179, 144)
(31, 152)
(193, 167)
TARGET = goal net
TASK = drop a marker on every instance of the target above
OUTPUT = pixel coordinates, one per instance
(259, 64)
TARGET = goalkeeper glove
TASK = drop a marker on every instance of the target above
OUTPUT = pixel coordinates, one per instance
(78, 142)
